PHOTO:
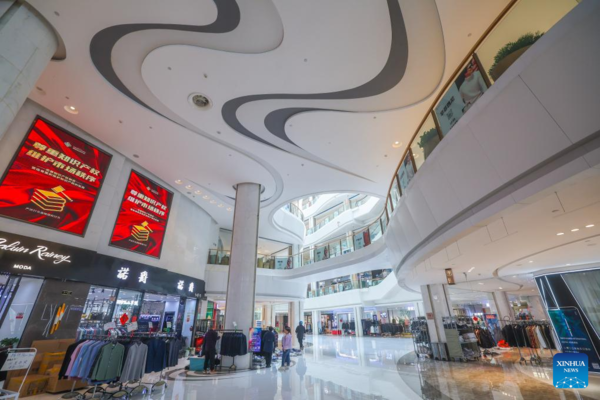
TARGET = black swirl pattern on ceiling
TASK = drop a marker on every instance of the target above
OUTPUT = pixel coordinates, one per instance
(390, 76)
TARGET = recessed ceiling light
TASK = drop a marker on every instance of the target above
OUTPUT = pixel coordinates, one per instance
(220, 205)
(574, 230)
(472, 268)
(188, 187)
(178, 181)
(568, 265)
(206, 197)
(500, 287)
(481, 283)
(560, 233)
(213, 202)
(397, 144)
(71, 110)
(589, 226)
(229, 208)
(530, 261)
(198, 192)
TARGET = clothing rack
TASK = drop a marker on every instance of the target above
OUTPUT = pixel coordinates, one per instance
(232, 367)
(534, 355)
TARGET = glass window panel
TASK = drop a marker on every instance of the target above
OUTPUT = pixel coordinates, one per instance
(426, 140)
(406, 172)
(389, 207)
(505, 44)
(585, 286)
(384, 221)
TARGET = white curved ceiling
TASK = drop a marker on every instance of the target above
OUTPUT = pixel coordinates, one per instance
(330, 55)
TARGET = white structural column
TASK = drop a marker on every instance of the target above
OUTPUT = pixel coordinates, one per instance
(316, 322)
(538, 311)
(437, 306)
(295, 316)
(358, 316)
(241, 283)
(505, 311)
(27, 44)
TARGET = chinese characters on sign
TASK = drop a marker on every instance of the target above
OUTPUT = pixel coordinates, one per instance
(143, 277)
(180, 285)
(123, 273)
(143, 216)
(53, 180)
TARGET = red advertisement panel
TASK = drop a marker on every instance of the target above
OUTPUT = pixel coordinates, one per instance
(143, 216)
(53, 180)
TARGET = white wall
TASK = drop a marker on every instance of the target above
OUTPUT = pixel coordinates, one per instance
(190, 231)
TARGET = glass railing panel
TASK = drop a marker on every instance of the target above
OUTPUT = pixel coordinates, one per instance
(375, 231)
(467, 88)
(384, 222)
(406, 172)
(517, 31)
(388, 205)
(395, 193)
(426, 140)
(362, 239)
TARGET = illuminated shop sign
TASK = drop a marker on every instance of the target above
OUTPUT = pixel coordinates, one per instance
(54, 179)
(143, 216)
(24, 255)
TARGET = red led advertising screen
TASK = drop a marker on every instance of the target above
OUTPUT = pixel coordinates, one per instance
(143, 216)
(53, 180)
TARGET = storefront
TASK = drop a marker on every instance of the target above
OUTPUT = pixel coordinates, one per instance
(51, 291)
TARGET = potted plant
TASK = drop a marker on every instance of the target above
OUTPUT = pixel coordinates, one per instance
(511, 51)
(9, 342)
(427, 142)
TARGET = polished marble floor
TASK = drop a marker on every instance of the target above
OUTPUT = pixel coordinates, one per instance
(375, 369)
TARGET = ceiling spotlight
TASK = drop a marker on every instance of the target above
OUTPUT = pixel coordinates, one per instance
(530, 261)
(574, 230)
(500, 287)
(198, 192)
(178, 181)
(188, 187)
(220, 206)
(71, 110)
(560, 233)
(213, 202)
(199, 101)
(396, 144)
(589, 226)
(472, 268)
(481, 283)
(229, 208)
(205, 197)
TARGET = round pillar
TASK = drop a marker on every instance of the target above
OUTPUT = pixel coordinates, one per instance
(241, 282)
(27, 44)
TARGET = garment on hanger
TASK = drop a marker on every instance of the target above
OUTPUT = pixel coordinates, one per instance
(135, 361)
(234, 344)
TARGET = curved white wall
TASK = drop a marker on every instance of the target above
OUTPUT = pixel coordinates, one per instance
(190, 230)
(536, 126)
(289, 224)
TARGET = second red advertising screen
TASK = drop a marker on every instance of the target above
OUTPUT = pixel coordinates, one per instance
(143, 216)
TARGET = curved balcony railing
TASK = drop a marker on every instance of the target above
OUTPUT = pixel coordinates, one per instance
(518, 27)
(337, 210)
(363, 280)
(293, 209)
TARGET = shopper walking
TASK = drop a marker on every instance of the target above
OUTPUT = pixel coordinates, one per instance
(268, 346)
(209, 349)
(286, 345)
(300, 331)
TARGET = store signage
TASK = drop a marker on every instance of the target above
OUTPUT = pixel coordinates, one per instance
(143, 216)
(128, 302)
(54, 260)
(39, 252)
(18, 360)
(450, 276)
(53, 180)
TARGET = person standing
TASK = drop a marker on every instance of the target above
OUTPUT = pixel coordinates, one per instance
(300, 331)
(268, 346)
(286, 345)
(209, 349)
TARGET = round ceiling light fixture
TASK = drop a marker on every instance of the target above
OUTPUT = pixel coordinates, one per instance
(200, 101)
(71, 110)
(178, 181)
(397, 144)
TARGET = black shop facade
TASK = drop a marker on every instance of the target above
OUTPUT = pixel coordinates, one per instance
(51, 291)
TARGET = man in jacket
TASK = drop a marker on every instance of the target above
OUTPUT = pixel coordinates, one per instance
(300, 330)
(209, 349)
(268, 345)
